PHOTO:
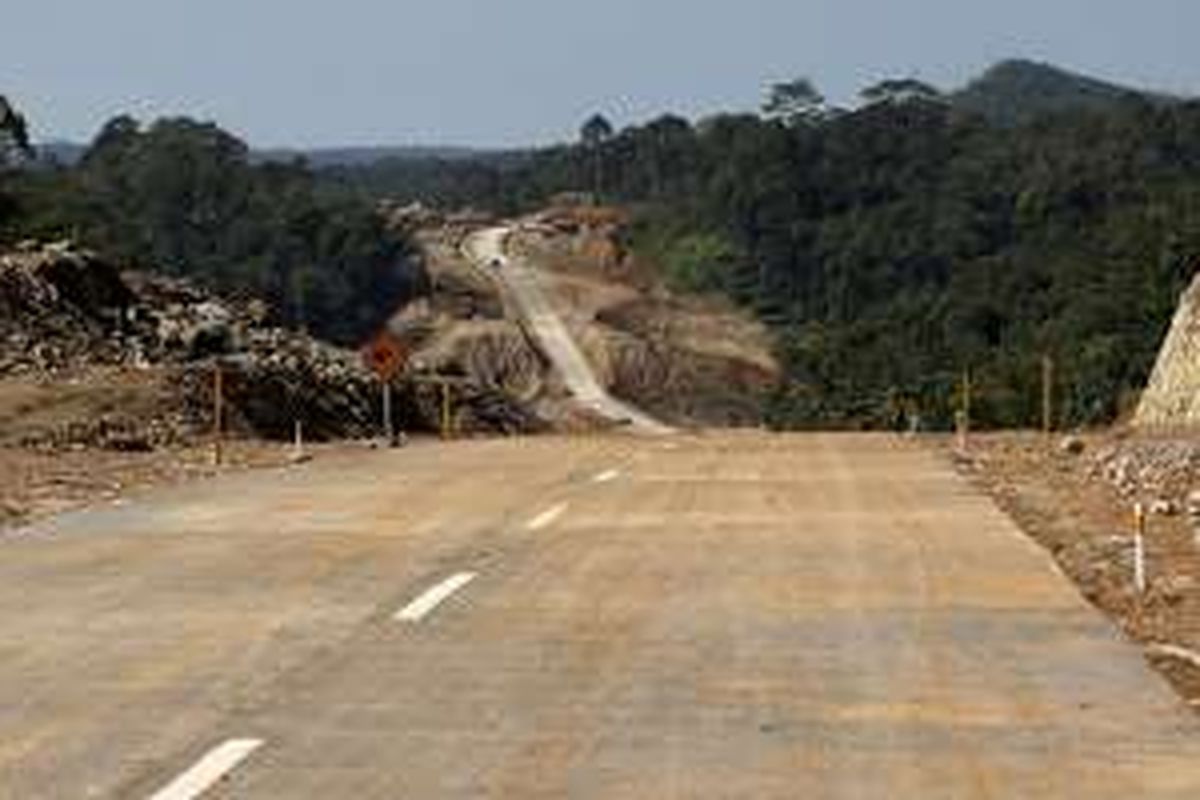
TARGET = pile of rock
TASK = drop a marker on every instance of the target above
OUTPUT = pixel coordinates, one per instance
(277, 378)
(60, 306)
(64, 310)
(1160, 473)
(411, 217)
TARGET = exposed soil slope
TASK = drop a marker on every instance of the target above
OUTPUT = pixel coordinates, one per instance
(689, 361)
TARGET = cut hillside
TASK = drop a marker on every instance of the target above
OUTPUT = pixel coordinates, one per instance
(686, 360)
(1171, 401)
(462, 335)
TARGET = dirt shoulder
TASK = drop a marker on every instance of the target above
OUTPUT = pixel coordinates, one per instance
(35, 485)
(1075, 497)
(97, 435)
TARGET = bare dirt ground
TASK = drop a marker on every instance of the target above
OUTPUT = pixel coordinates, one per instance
(1079, 506)
(35, 485)
(97, 435)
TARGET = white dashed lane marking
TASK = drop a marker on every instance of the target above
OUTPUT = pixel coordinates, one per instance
(547, 517)
(215, 765)
(432, 598)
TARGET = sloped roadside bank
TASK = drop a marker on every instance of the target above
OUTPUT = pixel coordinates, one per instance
(1075, 497)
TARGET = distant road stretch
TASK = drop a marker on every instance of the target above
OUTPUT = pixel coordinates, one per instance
(524, 287)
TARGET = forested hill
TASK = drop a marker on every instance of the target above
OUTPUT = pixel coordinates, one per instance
(185, 198)
(889, 247)
(1019, 91)
(896, 245)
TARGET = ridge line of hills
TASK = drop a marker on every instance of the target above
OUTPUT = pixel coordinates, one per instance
(1010, 92)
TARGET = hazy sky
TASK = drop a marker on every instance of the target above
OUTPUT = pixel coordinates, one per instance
(507, 72)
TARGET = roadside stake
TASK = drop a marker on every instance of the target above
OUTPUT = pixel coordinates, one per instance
(1139, 548)
(432, 598)
(215, 765)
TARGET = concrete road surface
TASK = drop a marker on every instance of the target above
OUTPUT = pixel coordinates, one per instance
(728, 616)
(524, 288)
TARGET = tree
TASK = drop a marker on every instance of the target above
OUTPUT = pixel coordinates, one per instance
(794, 102)
(14, 134)
(182, 197)
(14, 146)
(900, 90)
(594, 134)
(596, 131)
(114, 141)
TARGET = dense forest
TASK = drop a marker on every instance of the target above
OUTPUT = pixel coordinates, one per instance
(184, 198)
(890, 247)
(896, 245)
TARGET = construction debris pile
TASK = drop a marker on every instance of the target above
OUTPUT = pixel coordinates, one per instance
(59, 307)
(64, 312)
(1161, 473)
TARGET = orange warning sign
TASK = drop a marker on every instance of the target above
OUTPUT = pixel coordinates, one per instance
(386, 356)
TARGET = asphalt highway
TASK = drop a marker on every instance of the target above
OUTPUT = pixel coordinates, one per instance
(718, 616)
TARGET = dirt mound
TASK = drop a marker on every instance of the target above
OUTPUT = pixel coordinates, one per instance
(1160, 472)
(133, 357)
(60, 306)
(67, 316)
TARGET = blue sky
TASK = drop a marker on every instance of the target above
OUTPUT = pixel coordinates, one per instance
(511, 72)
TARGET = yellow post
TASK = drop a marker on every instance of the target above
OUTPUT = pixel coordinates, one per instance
(218, 411)
(1047, 395)
(1139, 548)
(964, 411)
(445, 410)
(967, 401)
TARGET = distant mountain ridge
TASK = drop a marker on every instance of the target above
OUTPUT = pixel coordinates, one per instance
(69, 153)
(1018, 90)
(1008, 93)
(319, 158)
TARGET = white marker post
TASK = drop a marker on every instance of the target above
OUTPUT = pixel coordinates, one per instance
(298, 440)
(218, 413)
(1139, 549)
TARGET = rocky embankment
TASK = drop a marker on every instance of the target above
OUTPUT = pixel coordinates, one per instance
(1171, 401)
(68, 320)
(67, 316)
